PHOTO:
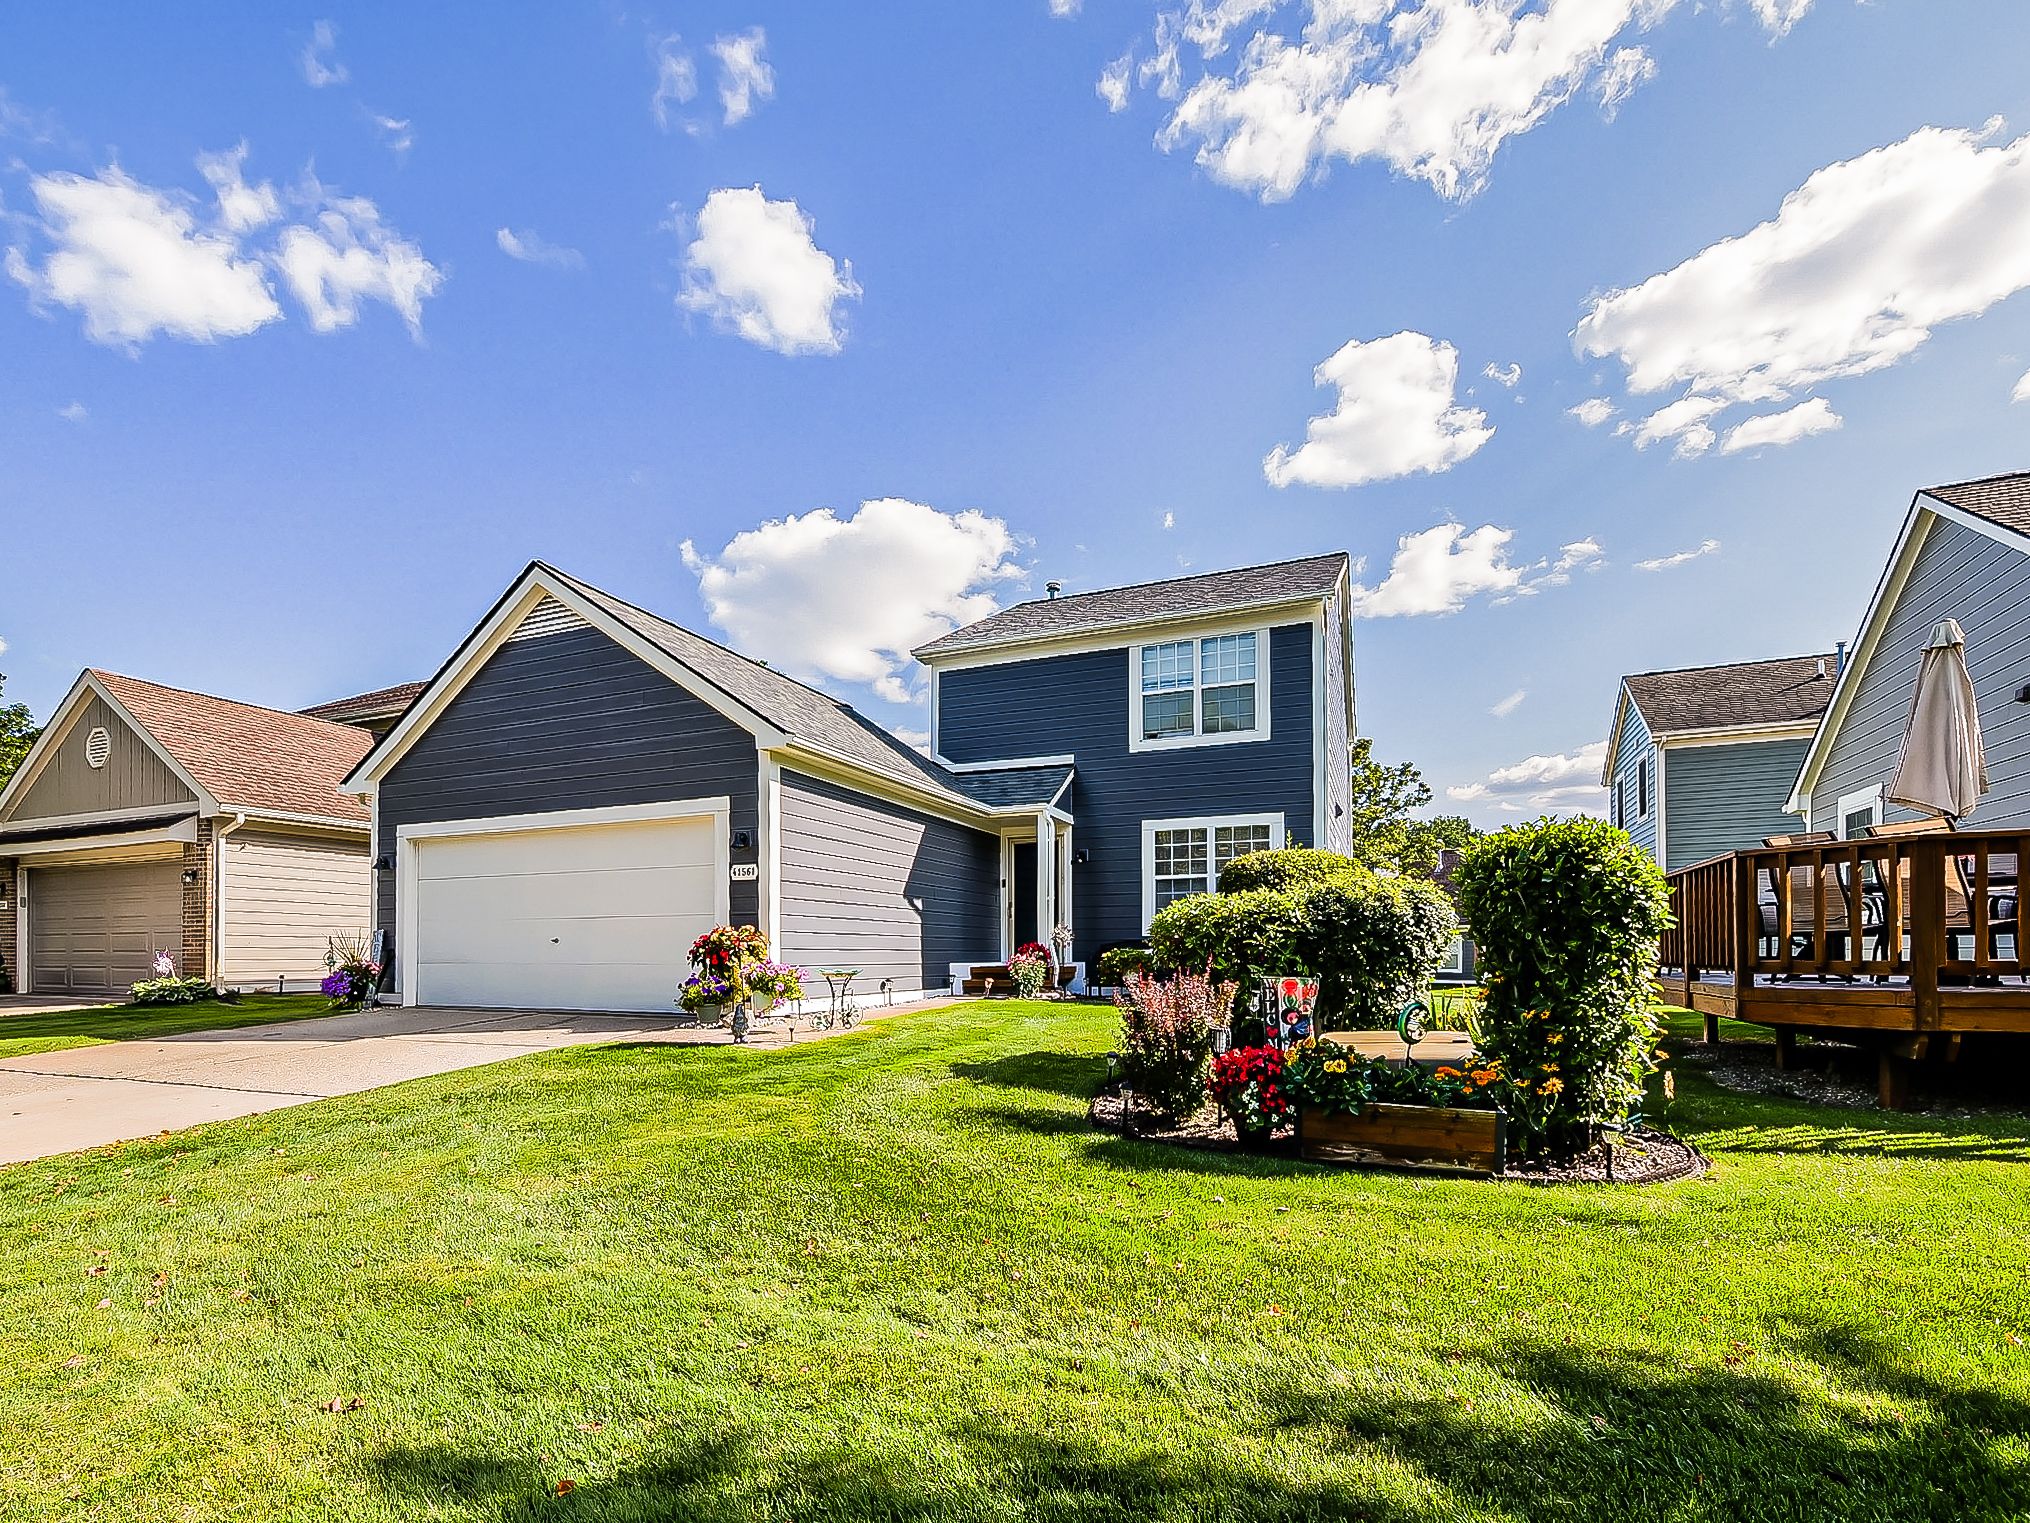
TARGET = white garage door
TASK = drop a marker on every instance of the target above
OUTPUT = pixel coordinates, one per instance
(590, 917)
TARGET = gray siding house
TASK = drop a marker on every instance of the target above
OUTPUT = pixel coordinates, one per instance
(585, 787)
(1700, 760)
(1963, 553)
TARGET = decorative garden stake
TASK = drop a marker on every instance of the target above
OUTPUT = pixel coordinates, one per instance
(1410, 1026)
(742, 1021)
(1286, 1005)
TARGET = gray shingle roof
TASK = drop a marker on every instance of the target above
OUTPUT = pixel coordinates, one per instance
(1014, 785)
(1181, 597)
(801, 712)
(2003, 500)
(1788, 690)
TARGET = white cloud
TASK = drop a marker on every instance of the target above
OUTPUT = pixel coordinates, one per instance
(1169, 520)
(676, 79)
(1506, 375)
(320, 59)
(2021, 393)
(1678, 558)
(72, 412)
(242, 207)
(1683, 420)
(1579, 555)
(1851, 276)
(756, 270)
(1509, 705)
(1395, 415)
(916, 740)
(136, 264)
(1437, 570)
(531, 249)
(1593, 412)
(1112, 86)
(847, 599)
(1062, 8)
(394, 132)
(346, 255)
(744, 76)
(1787, 427)
(1563, 781)
(1779, 15)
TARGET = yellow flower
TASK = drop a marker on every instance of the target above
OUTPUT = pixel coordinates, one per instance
(1554, 1037)
(1309, 1041)
(1550, 1068)
(1336, 1066)
(1550, 1086)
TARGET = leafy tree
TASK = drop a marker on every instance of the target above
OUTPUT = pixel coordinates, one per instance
(1386, 832)
(18, 730)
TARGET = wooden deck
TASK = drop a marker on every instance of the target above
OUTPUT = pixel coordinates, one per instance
(1908, 943)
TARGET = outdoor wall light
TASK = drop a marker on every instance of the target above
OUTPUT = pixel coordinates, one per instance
(190, 877)
(385, 862)
(2023, 693)
(1080, 857)
(743, 840)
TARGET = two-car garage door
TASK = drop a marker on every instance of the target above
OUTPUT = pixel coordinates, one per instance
(585, 917)
(95, 930)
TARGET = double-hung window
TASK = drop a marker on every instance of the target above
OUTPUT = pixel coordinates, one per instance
(1208, 689)
(1642, 789)
(1184, 857)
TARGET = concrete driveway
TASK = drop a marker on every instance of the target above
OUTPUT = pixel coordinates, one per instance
(57, 1102)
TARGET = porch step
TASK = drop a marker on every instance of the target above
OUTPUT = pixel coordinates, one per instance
(977, 977)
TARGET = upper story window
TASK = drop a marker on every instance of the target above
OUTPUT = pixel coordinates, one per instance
(1621, 803)
(1201, 691)
(1642, 789)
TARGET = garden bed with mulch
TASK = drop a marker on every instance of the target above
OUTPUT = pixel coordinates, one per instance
(1644, 1156)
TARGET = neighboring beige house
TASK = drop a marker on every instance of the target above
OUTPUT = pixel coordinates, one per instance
(149, 819)
(376, 711)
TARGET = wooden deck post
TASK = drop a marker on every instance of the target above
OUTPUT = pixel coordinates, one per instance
(1927, 930)
(1786, 1046)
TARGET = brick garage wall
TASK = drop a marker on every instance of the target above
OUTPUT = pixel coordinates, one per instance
(9, 878)
(199, 958)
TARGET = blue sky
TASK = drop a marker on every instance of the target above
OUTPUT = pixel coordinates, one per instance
(290, 442)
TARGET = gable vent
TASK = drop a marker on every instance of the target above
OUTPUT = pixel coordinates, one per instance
(548, 617)
(98, 746)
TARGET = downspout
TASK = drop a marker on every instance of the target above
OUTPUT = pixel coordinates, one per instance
(218, 888)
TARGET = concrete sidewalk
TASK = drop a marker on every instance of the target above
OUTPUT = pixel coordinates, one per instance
(58, 1102)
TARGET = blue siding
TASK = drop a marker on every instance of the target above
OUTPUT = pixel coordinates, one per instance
(1636, 745)
(1727, 798)
(568, 721)
(1959, 574)
(1080, 704)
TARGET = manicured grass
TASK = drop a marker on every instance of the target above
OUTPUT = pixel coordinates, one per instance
(53, 1030)
(895, 1276)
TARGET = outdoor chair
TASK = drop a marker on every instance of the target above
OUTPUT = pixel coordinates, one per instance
(2003, 901)
(1802, 838)
(1769, 918)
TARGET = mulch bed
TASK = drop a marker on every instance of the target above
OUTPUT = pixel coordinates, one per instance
(1643, 1157)
(1835, 1073)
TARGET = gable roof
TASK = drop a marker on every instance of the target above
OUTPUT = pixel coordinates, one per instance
(1741, 694)
(381, 703)
(1997, 507)
(1034, 786)
(1311, 578)
(233, 756)
(777, 708)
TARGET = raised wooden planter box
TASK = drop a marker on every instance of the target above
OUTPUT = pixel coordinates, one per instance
(1423, 1136)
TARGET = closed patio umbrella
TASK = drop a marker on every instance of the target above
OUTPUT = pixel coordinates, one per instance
(1940, 769)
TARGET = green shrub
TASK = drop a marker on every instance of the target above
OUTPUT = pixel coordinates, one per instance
(1166, 1039)
(171, 991)
(1287, 867)
(1117, 964)
(1566, 914)
(1238, 938)
(1374, 944)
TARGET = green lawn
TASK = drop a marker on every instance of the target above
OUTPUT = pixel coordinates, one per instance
(894, 1276)
(53, 1030)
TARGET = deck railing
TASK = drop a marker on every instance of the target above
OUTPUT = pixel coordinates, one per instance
(1917, 907)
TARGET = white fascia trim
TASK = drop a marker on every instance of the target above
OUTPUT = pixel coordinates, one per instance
(1011, 765)
(771, 846)
(407, 838)
(183, 832)
(1656, 802)
(102, 816)
(1062, 789)
(1624, 701)
(1138, 632)
(315, 821)
(1206, 822)
(833, 768)
(1924, 511)
(1741, 735)
(1318, 772)
(1138, 745)
(58, 730)
(481, 645)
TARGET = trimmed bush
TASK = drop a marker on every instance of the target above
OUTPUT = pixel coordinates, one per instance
(171, 991)
(1287, 867)
(1240, 938)
(1374, 944)
(1566, 914)
(1117, 964)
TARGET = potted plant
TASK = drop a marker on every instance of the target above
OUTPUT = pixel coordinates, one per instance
(1247, 1085)
(352, 976)
(1349, 1106)
(1030, 969)
(733, 970)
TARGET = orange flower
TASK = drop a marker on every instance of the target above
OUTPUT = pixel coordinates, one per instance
(1550, 1086)
(1446, 1073)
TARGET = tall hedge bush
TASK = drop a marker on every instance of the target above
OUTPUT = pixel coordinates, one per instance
(1566, 916)
(1286, 867)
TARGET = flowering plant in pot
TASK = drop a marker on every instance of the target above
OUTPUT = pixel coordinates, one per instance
(1030, 968)
(352, 975)
(1247, 1085)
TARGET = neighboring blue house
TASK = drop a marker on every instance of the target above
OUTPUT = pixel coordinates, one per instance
(584, 787)
(1963, 553)
(1700, 761)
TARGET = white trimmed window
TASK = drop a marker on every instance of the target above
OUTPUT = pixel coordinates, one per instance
(1200, 691)
(1183, 857)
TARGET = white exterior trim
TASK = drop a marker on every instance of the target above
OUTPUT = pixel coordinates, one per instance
(1138, 744)
(53, 735)
(1015, 764)
(1206, 822)
(85, 846)
(1152, 631)
(1318, 772)
(771, 848)
(719, 809)
(1861, 798)
(99, 817)
(1657, 799)
(1742, 735)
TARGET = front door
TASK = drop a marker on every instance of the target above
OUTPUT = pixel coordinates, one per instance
(1022, 896)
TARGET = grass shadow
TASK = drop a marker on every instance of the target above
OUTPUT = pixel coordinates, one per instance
(1076, 1076)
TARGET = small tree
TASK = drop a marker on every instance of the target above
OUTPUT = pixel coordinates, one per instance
(1386, 833)
(1566, 914)
(18, 731)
